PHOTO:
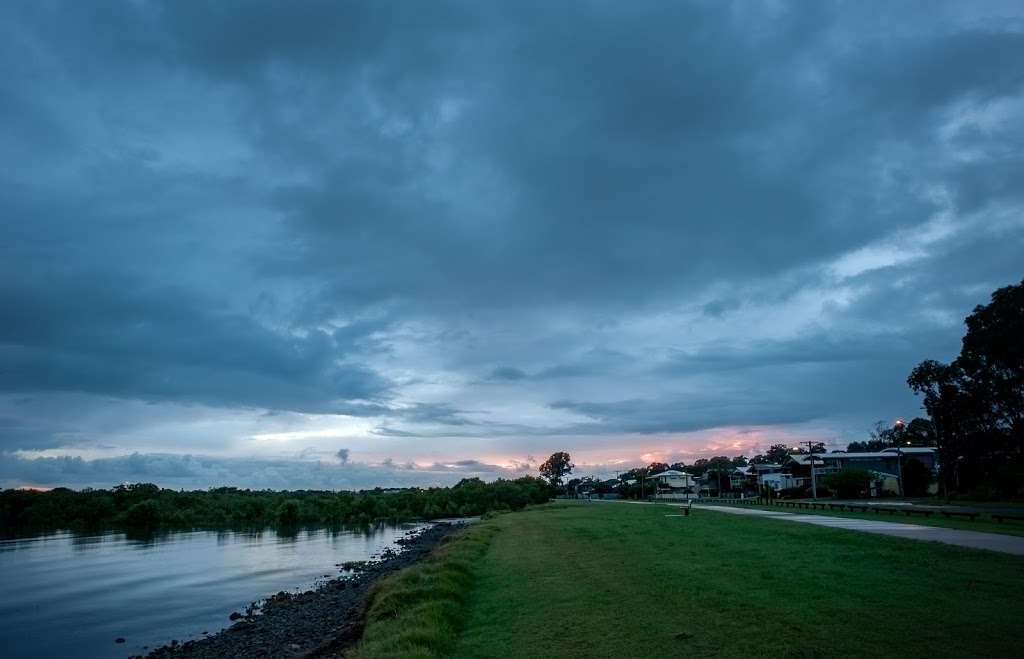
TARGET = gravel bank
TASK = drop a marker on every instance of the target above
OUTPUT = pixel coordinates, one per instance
(317, 624)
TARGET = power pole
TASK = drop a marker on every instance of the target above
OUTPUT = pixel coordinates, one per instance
(814, 480)
(897, 431)
(943, 469)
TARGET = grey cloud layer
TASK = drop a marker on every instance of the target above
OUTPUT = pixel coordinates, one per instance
(255, 206)
(204, 472)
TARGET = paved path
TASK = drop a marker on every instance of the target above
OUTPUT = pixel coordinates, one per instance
(1009, 544)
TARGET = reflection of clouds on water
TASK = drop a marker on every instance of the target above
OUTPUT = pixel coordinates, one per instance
(67, 595)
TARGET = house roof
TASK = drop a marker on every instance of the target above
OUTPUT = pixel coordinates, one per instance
(762, 466)
(876, 455)
(670, 473)
(805, 458)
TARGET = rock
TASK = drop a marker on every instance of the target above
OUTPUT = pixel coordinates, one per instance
(235, 615)
(119, 639)
(313, 617)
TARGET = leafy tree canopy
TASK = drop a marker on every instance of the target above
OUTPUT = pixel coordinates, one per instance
(976, 403)
(557, 467)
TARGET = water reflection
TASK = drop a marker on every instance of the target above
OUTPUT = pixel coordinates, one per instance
(287, 533)
(85, 542)
(144, 537)
(72, 594)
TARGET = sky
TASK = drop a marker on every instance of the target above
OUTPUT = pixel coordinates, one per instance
(340, 245)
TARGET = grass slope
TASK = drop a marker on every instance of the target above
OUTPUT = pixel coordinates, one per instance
(612, 579)
(416, 612)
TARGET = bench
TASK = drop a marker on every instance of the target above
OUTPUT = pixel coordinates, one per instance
(948, 513)
(802, 504)
(833, 506)
(1000, 518)
(926, 513)
(822, 505)
(891, 511)
(863, 509)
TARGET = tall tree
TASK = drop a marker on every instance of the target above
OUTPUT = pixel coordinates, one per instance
(991, 361)
(976, 403)
(919, 432)
(557, 467)
(778, 453)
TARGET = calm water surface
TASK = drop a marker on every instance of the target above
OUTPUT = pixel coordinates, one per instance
(71, 596)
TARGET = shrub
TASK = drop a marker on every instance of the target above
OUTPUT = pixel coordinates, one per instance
(145, 514)
(848, 483)
(288, 512)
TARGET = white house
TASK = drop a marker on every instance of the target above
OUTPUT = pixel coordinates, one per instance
(673, 484)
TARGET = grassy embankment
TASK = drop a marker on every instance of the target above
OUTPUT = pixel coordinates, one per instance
(416, 612)
(611, 579)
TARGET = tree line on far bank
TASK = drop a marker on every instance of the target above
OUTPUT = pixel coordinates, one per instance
(146, 506)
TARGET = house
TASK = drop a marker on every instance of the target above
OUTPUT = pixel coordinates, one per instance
(883, 464)
(885, 461)
(797, 469)
(768, 475)
(673, 484)
(926, 455)
(743, 478)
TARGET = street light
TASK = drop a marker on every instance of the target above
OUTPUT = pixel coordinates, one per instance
(897, 431)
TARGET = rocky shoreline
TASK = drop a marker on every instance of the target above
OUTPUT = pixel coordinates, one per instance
(317, 624)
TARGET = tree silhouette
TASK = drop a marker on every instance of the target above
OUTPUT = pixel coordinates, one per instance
(557, 467)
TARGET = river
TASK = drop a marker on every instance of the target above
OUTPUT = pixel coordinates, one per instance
(70, 595)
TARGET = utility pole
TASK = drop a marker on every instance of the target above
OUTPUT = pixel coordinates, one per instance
(943, 469)
(897, 431)
(814, 480)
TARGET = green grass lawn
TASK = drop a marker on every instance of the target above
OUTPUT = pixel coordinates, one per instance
(581, 579)
(983, 523)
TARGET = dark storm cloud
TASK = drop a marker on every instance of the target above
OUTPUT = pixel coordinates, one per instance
(369, 209)
(756, 396)
(118, 337)
(631, 162)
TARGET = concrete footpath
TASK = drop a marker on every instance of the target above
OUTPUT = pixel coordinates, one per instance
(1009, 544)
